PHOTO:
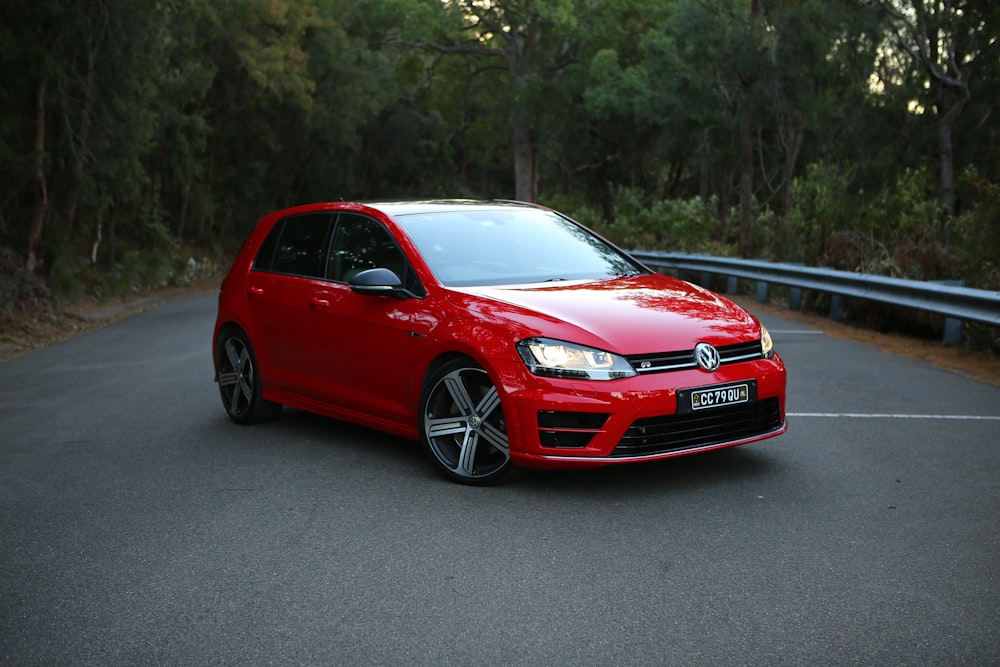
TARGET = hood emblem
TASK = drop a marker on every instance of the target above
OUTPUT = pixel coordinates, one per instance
(707, 357)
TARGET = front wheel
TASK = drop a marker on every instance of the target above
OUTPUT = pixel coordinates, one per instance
(462, 424)
(239, 381)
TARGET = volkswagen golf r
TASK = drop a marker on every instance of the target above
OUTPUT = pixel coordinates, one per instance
(497, 334)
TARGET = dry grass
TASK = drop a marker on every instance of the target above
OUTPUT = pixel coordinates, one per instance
(32, 327)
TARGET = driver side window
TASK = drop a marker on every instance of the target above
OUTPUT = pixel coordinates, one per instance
(359, 244)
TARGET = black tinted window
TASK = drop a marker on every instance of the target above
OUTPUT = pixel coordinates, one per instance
(265, 255)
(297, 246)
(359, 244)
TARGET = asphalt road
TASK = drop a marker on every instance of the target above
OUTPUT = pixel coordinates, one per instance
(139, 526)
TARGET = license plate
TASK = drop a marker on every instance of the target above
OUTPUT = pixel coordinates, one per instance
(717, 396)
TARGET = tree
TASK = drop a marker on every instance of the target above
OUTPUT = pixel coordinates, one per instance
(534, 41)
(945, 38)
(30, 42)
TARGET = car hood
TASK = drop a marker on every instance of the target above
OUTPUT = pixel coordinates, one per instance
(641, 314)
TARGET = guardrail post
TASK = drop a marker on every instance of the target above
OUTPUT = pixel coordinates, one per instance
(762, 291)
(952, 331)
(732, 284)
(952, 325)
(794, 298)
(836, 307)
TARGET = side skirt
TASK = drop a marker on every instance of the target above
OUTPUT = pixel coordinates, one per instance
(290, 399)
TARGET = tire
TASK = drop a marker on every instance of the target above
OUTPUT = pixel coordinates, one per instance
(240, 381)
(462, 425)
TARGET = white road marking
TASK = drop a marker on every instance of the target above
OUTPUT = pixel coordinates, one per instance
(858, 415)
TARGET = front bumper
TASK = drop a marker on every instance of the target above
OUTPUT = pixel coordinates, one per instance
(578, 424)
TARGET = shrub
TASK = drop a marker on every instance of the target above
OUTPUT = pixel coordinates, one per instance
(677, 225)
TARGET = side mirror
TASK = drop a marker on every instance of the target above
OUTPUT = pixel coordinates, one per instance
(377, 282)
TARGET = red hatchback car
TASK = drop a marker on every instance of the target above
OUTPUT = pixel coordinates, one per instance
(497, 334)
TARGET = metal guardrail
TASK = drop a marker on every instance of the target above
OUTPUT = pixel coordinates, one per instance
(955, 302)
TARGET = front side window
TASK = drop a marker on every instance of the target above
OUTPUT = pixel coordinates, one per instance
(359, 244)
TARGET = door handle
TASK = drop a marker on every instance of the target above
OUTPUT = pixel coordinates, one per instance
(256, 291)
(315, 302)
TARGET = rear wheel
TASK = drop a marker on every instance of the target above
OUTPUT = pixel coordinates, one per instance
(462, 424)
(239, 381)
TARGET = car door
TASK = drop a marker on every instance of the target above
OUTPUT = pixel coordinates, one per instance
(366, 348)
(284, 287)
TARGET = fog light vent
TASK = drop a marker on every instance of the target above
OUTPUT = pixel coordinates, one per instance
(569, 429)
(590, 421)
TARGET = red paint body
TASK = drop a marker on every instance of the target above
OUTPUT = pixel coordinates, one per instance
(324, 348)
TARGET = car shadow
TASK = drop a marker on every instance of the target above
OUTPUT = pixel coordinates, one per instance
(678, 474)
(319, 437)
(337, 436)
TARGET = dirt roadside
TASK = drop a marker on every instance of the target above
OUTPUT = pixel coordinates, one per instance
(26, 330)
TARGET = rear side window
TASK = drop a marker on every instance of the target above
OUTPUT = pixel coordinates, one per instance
(296, 246)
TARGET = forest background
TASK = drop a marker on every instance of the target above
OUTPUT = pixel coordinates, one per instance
(141, 139)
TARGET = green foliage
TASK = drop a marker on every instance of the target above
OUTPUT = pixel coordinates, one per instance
(665, 224)
(823, 206)
(577, 208)
(183, 121)
(893, 232)
(977, 232)
(67, 281)
(139, 267)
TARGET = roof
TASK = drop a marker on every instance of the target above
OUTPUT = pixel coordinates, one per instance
(442, 205)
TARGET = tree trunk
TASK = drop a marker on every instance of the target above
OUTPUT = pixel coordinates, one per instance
(746, 172)
(80, 150)
(95, 241)
(794, 136)
(746, 143)
(111, 238)
(525, 165)
(704, 174)
(525, 150)
(182, 216)
(41, 188)
(947, 168)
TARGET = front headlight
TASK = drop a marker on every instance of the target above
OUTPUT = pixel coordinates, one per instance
(766, 344)
(558, 359)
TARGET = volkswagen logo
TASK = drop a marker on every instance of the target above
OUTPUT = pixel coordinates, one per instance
(706, 356)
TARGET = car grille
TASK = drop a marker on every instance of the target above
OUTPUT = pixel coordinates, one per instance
(675, 433)
(665, 362)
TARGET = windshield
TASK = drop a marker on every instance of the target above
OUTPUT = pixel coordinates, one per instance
(507, 246)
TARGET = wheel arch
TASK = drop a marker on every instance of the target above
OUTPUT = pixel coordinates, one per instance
(230, 327)
(221, 331)
(440, 360)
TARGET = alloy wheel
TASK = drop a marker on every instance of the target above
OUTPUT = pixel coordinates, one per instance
(464, 427)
